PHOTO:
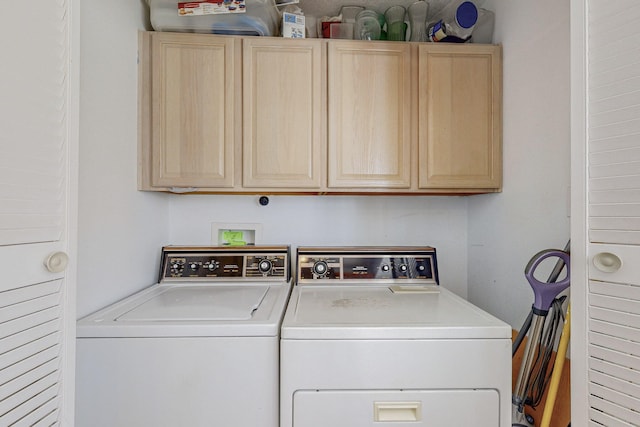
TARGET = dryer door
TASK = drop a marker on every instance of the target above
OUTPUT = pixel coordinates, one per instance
(480, 408)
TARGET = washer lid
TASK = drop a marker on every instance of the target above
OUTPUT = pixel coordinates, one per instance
(199, 303)
(353, 312)
(199, 310)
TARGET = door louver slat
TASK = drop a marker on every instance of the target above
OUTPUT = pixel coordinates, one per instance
(620, 331)
(44, 415)
(617, 318)
(620, 290)
(600, 418)
(623, 359)
(613, 371)
(614, 343)
(613, 409)
(620, 398)
(30, 354)
(22, 404)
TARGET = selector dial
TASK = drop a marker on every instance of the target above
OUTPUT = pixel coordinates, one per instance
(193, 266)
(385, 267)
(177, 267)
(403, 268)
(320, 268)
(265, 266)
(211, 265)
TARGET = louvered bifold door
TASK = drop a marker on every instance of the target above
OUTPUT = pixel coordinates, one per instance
(36, 305)
(613, 104)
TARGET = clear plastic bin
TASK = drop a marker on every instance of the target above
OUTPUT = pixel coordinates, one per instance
(261, 18)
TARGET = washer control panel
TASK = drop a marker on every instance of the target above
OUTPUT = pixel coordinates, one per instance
(334, 265)
(211, 263)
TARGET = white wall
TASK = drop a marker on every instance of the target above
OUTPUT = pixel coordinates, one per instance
(337, 220)
(493, 236)
(531, 214)
(120, 229)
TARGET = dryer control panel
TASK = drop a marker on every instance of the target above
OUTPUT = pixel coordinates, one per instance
(367, 265)
(212, 263)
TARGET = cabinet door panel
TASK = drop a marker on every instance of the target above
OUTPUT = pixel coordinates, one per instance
(284, 103)
(193, 108)
(459, 126)
(369, 101)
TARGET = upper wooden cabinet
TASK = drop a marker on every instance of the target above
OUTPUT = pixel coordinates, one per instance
(369, 115)
(272, 115)
(459, 116)
(283, 113)
(193, 109)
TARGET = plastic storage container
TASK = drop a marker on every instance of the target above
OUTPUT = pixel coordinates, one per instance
(454, 23)
(261, 18)
(483, 31)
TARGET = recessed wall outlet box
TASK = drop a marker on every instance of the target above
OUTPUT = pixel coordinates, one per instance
(234, 234)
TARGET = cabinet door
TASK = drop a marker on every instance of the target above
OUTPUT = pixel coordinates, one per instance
(194, 95)
(460, 124)
(284, 104)
(369, 90)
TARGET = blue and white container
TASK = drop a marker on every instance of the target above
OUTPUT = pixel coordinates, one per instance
(454, 23)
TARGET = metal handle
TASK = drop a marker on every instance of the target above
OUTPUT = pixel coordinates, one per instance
(56, 262)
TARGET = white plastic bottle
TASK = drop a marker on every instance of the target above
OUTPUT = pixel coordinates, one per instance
(454, 23)
(483, 31)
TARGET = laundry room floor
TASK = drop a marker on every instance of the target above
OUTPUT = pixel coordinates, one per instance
(562, 408)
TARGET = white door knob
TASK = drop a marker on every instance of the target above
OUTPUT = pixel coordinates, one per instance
(607, 262)
(56, 262)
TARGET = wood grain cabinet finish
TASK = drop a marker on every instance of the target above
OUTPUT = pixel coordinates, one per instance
(226, 114)
(460, 118)
(194, 85)
(284, 137)
(369, 115)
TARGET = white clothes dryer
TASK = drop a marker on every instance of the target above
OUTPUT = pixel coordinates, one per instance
(370, 339)
(199, 348)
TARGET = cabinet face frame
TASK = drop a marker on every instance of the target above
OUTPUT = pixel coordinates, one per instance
(460, 116)
(284, 105)
(369, 85)
(194, 108)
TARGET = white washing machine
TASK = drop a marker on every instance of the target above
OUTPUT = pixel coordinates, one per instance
(200, 348)
(369, 338)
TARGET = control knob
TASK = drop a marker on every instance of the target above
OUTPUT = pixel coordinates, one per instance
(403, 268)
(320, 268)
(385, 267)
(193, 266)
(177, 267)
(265, 266)
(211, 265)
